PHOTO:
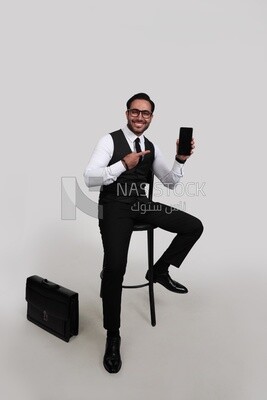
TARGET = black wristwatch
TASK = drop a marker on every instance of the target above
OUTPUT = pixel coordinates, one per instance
(179, 161)
(125, 164)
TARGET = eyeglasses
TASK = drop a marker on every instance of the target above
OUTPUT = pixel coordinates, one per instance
(134, 112)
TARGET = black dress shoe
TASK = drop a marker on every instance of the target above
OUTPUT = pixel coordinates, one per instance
(166, 281)
(112, 358)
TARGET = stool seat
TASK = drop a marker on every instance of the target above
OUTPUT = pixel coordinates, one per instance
(143, 227)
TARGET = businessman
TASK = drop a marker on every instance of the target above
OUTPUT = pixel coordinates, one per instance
(121, 163)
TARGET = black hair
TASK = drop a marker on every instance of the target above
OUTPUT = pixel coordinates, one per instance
(140, 96)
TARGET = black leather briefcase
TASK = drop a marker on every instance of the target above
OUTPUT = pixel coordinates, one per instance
(52, 307)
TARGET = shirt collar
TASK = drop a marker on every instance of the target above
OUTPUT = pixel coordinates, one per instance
(132, 136)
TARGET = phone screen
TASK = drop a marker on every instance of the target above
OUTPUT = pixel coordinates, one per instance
(185, 138)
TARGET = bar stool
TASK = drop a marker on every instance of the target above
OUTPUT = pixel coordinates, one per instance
(150, 255)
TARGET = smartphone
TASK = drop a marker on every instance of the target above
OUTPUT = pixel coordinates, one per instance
(185, 138)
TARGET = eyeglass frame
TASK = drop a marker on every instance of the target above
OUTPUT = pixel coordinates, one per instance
(140, 111)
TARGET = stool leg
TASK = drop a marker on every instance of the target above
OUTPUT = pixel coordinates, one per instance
(150, 248)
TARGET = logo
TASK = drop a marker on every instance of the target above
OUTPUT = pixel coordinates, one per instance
(45, 316)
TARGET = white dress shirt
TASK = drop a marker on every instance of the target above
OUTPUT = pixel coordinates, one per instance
(98, 172)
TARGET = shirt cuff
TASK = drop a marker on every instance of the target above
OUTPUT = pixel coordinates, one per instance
(178, 168)
(116, 169)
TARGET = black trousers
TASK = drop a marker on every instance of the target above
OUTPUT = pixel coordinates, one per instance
(116, 227)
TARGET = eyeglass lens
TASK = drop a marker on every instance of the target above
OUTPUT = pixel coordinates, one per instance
(135, 113)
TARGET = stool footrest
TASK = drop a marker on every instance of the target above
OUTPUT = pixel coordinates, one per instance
(135, 286)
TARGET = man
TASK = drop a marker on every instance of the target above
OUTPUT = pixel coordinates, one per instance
(121, 163)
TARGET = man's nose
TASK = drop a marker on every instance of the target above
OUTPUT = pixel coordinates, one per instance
(140, 116)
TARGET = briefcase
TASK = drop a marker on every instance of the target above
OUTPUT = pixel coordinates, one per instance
(52, 307)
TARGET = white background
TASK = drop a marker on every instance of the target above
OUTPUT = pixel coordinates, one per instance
(67, 69)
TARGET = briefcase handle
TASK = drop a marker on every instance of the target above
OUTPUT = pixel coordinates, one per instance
(50, 285)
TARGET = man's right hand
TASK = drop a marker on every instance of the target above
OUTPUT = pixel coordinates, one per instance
(132, 159)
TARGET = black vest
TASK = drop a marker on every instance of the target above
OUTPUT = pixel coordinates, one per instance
(130, 185)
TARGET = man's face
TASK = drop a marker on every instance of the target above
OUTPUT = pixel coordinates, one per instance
(139, 123)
